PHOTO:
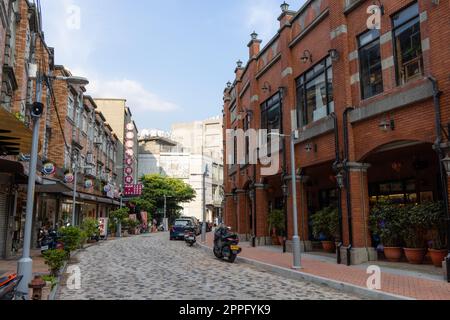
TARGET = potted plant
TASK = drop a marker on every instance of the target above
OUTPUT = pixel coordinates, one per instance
(414, 230)
(325, 225)
(55, 260)
(437, 224)
(386, 223)
(277, 226)
(90, 227)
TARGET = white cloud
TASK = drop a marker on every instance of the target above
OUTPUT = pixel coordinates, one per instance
(74, 44)
(138, 98)
(261, 16)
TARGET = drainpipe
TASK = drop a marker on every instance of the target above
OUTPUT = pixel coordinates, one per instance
(441, 155)
(335, 168)
(348, 185)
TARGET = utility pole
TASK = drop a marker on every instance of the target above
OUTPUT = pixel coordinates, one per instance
(165, 220)
(205, 174)
(75, 181)
(25, 264)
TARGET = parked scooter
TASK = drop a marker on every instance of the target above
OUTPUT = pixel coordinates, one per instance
(50, 241)
(190, 237)
(226, 244)
(8, 286)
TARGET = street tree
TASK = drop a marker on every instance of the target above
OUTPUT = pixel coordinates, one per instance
(156, 187)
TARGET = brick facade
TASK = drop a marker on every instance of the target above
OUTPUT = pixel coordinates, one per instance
(372, 155)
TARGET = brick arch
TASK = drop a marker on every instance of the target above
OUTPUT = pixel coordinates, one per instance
(366, 155)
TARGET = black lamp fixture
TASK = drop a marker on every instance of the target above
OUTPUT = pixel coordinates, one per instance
(334, 54)
(228, 84)
(310, 147)
(446, 163)
(284, 7)
(340, 180)
(307, 56)
(387, 124)
(266, 87)
(285, 189)
(239, 64)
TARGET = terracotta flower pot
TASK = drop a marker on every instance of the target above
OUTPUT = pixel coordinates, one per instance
(328, 246)
(438, 256)
(393, 254)
(275, 241)
(415, 256)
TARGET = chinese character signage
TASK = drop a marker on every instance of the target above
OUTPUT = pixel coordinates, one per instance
(133, 190)
(129, 154)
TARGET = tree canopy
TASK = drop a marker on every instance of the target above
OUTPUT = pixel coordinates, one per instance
(155, 187)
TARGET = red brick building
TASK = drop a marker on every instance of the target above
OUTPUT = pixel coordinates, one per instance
(71, 129)
(371, 107)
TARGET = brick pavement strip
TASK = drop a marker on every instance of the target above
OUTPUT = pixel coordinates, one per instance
(397, 286)
(150, 267)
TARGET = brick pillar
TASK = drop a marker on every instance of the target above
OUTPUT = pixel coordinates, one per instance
(262, 211)
(241, 214)
(230, 212)
(362, 250)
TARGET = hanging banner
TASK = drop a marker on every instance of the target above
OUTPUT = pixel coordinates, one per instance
(103, 226)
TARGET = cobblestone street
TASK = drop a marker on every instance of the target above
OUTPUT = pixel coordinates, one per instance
(150, 267)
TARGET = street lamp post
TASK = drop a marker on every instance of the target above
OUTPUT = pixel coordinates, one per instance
(25, 264)
(296, 238)
(75, 168)
(205, 174)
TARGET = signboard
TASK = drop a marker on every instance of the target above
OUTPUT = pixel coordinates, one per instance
(48, 169)
(133, 190)
(129, 162)
(103, 226)
(69, 178)
(88, 184)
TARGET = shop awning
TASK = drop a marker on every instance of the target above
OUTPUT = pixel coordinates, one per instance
(52, 186)
(15, 138)
(105, 200)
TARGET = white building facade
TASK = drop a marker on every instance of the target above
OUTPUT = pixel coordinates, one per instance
(184, 154)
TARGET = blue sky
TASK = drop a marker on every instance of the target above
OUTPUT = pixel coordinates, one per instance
(170, 59)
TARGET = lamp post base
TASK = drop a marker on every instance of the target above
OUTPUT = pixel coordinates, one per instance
(296, 253)
(24, 269)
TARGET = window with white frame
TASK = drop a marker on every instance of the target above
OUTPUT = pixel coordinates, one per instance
(70, 107)
(408, 44)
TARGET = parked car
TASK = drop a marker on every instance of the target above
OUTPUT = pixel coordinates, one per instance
(180, 227)
(196, 223)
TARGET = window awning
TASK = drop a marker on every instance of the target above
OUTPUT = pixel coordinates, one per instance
(15, 138)
(52, 186)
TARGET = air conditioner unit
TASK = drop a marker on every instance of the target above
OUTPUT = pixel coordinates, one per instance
(98, 142)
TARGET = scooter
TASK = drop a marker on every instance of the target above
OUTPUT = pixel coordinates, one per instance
(189, 237)
(8, 287)
(226, 244)
(49, 241)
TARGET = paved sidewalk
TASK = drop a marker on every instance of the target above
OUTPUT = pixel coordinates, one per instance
(39, 266)
(392, 282)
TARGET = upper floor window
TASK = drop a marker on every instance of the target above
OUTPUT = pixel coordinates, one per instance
(70, 107)
(271, 117)
(408, 44)
(233, 113)
(85, 123)
(371, 70)
(315, 93)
